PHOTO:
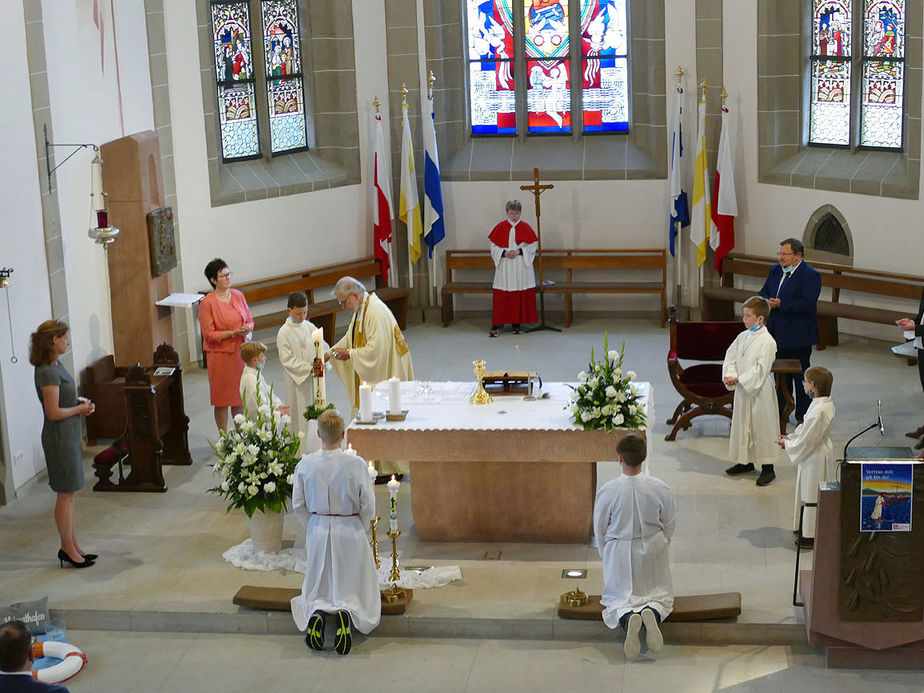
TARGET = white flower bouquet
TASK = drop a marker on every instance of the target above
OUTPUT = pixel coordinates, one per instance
(606, 397)
(256, 461)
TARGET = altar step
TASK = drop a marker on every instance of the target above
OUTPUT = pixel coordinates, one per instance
(257, 622)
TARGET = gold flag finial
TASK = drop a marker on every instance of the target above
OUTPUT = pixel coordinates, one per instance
(724, 97)
(679, 73)
(404, 94)
(703, 85)
(376, 103)
(431, 79)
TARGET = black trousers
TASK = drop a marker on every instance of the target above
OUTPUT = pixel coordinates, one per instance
(794, 380)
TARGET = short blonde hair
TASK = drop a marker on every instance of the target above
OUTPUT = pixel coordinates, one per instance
(330, 426)
(822, 379)
(251, 350)
(758, 305)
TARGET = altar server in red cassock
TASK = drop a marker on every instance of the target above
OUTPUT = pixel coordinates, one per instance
(513, 248)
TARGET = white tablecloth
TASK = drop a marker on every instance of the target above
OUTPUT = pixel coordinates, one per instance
(446, 407)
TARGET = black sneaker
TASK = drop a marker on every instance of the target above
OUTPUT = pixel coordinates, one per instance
(344, 640)
(766, 475)
(315, 636)
(739, 468)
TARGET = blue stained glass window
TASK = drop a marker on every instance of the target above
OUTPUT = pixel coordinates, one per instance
(234, 72)
(829, 113)
(882, 91)
(492, 86)
(285, 94)
(605, 65)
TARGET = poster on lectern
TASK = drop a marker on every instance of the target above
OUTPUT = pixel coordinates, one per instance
(885, 496)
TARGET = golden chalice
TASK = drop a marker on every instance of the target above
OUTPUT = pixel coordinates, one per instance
(480, 396)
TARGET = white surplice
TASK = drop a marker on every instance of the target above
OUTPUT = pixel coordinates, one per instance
(333, 498)
(634, 520)
(756, 415)
(252, 382)
(296, 353)
(517, 275)
(810, 447)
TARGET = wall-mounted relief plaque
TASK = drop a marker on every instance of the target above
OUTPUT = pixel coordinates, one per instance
(162, 242)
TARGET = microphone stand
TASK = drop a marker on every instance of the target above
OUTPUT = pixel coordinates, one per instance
(875, 424)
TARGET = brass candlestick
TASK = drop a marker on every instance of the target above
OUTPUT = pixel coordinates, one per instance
(574, 598)
(394, 593)
(480, 396)
(375, 542)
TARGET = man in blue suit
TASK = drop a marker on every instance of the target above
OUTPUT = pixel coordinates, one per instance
(16, 662)
(792, 288)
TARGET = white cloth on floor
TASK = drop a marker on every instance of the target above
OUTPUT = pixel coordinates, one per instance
(634, 519)
(334, 499)
(755, 418)
(810, 447)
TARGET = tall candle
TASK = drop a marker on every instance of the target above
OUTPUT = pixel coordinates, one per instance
(393, 487)
(365, 402)
(394, 395)
(373, 472)
(320, 386)
(350, 450)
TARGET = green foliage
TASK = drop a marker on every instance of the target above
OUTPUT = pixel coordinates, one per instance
(256, 461)
(313, 411)
(607, 398)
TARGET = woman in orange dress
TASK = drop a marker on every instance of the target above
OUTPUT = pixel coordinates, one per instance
(226, 324)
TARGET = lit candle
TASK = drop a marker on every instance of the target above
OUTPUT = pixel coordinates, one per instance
(373, 473)
(393, 487)
(394, 395)
(320, 387)
(365, 403)
(350, 450)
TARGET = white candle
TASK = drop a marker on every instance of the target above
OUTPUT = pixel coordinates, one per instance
(373, 473)
(350, 450)
(394, 395)
(393, 487)
(320, 386)
(365, 402)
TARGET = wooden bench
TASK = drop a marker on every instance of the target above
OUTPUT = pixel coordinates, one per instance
(323, 313)
(718, 301)
(567, 261)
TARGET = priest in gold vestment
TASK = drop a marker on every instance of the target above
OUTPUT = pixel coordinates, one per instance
(373, 348)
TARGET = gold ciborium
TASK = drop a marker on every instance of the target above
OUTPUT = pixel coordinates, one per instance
(480, 396)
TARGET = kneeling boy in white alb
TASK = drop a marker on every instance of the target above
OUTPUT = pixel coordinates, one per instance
(333, 498)
(634, 519)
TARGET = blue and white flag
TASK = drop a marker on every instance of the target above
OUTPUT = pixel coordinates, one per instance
(678, 208)
(434, 230)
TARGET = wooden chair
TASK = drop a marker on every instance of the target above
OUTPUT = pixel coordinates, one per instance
(699, 385)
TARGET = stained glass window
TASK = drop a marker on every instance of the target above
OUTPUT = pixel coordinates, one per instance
(605, 65)
(544, 34)
(831, 70)
(234, 69)
(882, 90)
(491, 81)
(283, 63)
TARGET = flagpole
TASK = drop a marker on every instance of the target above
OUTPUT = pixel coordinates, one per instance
(678, 237)
(408, 222)
(431, 269)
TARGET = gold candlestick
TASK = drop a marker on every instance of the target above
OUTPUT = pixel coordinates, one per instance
(375, 542)
(574, 598)
(394, 593)
(480, 396)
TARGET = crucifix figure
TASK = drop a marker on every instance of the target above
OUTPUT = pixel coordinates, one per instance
(536, 189)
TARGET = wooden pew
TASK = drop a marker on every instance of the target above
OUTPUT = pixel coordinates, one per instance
(323, 312)
(567, 262)
(860, 284)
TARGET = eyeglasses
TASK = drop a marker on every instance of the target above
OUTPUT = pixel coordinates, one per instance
(225, 275)
(785, 254)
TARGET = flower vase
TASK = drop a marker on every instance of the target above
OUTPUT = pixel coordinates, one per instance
(266, 531)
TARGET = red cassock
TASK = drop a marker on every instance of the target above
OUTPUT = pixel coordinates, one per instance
(514, 279)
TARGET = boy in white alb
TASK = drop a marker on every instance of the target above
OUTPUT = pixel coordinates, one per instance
(296, 353)
(810, 447)
(634, 520)
(755, 417)
(253, 386)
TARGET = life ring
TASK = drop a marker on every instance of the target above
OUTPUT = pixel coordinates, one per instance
(72, 661)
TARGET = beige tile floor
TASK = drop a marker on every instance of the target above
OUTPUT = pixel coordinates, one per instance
(162, 552)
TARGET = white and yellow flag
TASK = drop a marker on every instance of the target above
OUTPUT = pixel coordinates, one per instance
(409, 206)
(702, 207)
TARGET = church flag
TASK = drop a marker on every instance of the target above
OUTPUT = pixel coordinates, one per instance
(702, 212)
(679, 207)
(409, 205)
(434, 229)
(725, 208)
(382, 211)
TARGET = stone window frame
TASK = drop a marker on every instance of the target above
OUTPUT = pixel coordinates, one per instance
(639, 154)
(331, 111)
(811, 228)
(783, 82)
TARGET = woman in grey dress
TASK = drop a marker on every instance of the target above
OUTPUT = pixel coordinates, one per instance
(61, 432)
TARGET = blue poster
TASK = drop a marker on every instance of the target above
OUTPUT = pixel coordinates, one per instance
(885, 497)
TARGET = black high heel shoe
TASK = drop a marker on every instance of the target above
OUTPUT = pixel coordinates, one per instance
(90, 556)
(63, 557)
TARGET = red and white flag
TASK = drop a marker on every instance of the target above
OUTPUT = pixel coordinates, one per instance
(382, 211)
(725, 205)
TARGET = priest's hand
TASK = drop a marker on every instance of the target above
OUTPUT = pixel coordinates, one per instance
(730, 380)
(905, 324)
(341, 354)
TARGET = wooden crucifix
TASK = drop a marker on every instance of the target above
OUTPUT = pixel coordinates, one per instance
(536, 189)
